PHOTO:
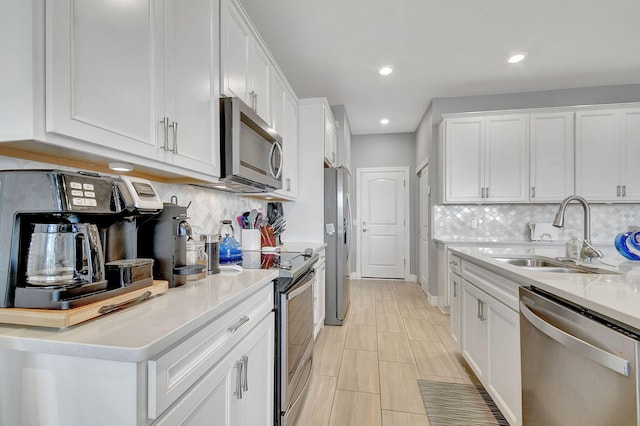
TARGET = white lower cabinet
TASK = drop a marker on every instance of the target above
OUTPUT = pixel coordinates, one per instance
(490, 342)
(238, 390)
(221, 374)
(319, 293)
(455, 289)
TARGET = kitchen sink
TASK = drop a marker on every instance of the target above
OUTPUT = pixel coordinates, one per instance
(546, 264)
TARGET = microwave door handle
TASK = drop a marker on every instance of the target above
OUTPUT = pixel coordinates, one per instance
(275, 173)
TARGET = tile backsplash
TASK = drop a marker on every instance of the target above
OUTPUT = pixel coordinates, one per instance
(510, 222)
(208, 206)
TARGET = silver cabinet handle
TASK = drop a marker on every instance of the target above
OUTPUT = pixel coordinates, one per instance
(239, 371)
(245, 369)
(624, 190)
(602, 357)
(618, 190)
(174, 125)
(482, 305)
(486, 192)
(255, 97)
(234, 327)
(478, 314)
(455, 289)
(165, 125)
(533, 192)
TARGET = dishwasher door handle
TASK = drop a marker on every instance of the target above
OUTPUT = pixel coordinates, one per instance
(602, 357)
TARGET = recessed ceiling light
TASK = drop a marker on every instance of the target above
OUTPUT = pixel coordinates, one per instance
(385, 71)
(518, 57)
(384, 121)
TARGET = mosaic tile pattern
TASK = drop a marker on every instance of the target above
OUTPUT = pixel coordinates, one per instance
(510, 221)
(208, 206)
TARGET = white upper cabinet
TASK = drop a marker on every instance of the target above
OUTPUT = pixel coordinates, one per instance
(464, 162)
(343, 139)
(100, 73)
(246, 65)
(630, 179)
(506, 160)
(607, 147)
(486, 159)
(551, 170)
(284, 119)
(191, 84)
(330, 139)
(137, 84)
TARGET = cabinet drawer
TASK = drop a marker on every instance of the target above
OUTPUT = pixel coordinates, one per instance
(171, 374)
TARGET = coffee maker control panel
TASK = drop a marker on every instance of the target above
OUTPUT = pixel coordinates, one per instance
(86, 193)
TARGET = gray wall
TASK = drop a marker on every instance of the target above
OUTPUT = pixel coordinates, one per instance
(427, 145)
(389, 150)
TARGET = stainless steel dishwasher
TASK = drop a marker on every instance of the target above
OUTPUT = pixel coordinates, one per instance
(578, 367)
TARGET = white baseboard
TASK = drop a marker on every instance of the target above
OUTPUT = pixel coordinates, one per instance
(354, 276)
(433, 300)
(412, 277)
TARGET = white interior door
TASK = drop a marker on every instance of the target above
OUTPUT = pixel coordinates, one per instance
(425, 193)
(383, 206)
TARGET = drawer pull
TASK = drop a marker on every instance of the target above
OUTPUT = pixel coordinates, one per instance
(233, 328)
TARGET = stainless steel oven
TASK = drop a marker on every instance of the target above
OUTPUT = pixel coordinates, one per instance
(294, 336)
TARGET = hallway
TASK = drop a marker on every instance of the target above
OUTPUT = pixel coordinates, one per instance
(366, 372)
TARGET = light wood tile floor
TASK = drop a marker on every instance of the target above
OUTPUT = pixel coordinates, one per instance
(366, 372)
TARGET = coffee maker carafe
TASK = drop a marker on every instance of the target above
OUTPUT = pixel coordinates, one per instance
(64, 254)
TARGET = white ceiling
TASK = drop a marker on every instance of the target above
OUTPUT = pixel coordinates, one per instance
(444, 48)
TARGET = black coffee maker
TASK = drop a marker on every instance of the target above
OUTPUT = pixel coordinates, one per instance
(59, 230)
(164, 238)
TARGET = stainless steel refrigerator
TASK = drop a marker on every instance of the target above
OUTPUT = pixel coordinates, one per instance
(337, 235)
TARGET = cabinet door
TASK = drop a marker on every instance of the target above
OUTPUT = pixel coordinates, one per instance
(630, 155)
(234, 42)
(506, 159)
(322, 293)
(551, 156)
(330, 138)
(455, 289)
(257, 397)
(101, 73)
(463, 157)
(277, 92)
(503, 369)
(290, 147)
(597, 155)
(474, 339)
(259, 75)
(191, 97)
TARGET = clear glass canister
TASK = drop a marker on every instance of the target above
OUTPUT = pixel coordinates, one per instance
(196, 256)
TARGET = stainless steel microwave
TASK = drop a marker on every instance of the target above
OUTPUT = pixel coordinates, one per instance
(251, 151)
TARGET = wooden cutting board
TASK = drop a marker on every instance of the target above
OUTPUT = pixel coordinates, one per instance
(61, 318)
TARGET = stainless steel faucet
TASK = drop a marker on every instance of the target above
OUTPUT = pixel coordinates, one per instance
(588, 251)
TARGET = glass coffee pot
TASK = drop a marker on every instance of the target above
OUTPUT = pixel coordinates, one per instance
(64, 254)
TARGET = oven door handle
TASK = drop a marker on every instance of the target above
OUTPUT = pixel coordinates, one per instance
(299, 289)
(602, 357)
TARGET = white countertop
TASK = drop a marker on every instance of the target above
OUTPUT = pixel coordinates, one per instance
(301, 246)
(615, 296)
(140, 332)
